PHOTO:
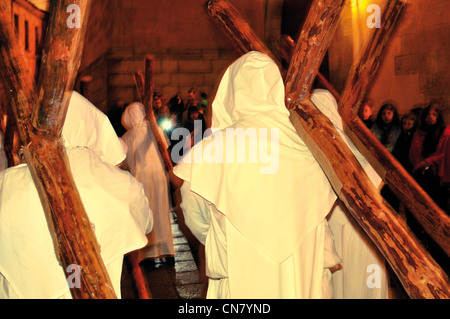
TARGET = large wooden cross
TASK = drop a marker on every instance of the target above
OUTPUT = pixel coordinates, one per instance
(40, 113)
(419, 274)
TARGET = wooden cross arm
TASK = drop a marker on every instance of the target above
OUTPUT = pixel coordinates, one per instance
(229, 20)
(312, 44)
(61, 58)
(148, 103)
(74, 240)
(407, 257)
(432, 218)
(286, 46)
(435, 221)
(140, 84)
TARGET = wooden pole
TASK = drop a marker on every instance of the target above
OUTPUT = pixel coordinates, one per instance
(407, 257)
(139, 81)
(429, 215)
(148, 103)
(435, 221)
(61, 58)
(141, 283)
(74, 240)
(285, 46)
(312, 44)
(229, 21)
(303, 81)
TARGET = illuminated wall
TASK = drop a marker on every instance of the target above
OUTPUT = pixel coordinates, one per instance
(416, 62)
(189, 50)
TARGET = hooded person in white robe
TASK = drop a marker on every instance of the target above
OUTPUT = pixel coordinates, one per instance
(255, 195)
(113, 199)
(3, 159)
(146, 164)
(363, 273)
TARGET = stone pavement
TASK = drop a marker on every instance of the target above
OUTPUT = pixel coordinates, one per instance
(168, 279)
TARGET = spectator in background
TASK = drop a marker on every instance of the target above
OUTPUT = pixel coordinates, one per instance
(387, 130)
(176, 106)
(145, 163)
(401, 149)
(191, 101)
(427, 151)
(365, 113)
(387, 126)
(203, 103)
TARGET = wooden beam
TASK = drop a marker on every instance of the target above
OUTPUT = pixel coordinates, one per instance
(434, 220)
(312, 44)
(365, 68)
(285, 46)
(139, 279)
(230, 21)
(407, 257)
(139, 81)
(148, 99)
(74, 240)
(349, 180)
(61, 58)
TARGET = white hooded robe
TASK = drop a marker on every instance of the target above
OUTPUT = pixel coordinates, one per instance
(114, 202)
(145, 163)
(263, 219)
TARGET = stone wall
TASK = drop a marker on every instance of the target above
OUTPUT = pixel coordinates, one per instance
(189, 51)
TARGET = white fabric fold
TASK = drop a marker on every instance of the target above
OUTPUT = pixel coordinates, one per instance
(287, 203)
(114, 201)
(145, 163)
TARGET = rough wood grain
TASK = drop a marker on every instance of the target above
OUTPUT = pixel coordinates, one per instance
(286, 46)
(311, 46)
(435, 221)
(148, 103)
(336, 172)
(61, 58)
(407, 257)
(233, 25)
(74, 240)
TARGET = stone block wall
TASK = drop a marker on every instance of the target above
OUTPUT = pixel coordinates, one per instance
(188, 50)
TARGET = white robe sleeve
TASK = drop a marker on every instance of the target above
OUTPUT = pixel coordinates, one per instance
(196, 212)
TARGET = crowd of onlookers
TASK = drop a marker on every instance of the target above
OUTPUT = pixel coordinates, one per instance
(419, 140)
(176, 112)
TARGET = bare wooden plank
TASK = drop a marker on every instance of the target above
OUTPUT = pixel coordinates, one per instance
(148, 99)
(139, 81)
(311, 46)
(407, 257)
(285, 46)
(435, 221)
(364, 70)
(141, 282)
(74, 240)
(231, 23)
(432, 218)
(347, 177)
(61, 58)
(235, 32)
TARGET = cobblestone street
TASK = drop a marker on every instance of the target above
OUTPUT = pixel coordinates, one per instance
(167, 279)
